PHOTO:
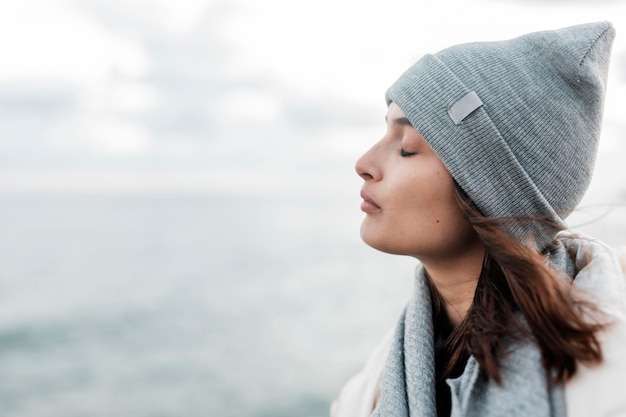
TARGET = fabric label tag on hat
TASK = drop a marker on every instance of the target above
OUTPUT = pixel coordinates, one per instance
(464, 107)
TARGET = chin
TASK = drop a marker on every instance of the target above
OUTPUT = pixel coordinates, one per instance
(382, 243)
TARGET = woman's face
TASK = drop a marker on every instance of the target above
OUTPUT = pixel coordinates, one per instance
(409, 196)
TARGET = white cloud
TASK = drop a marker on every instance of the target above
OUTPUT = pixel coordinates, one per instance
(270, 56)
(180, 18)
(132, 97)
(248, 105)
(119, 137)
(49, 40)
(100, 134)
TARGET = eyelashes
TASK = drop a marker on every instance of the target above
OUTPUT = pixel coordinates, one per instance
(406, 154)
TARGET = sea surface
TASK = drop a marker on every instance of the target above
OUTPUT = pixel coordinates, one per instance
(191, 304)
(186, 305)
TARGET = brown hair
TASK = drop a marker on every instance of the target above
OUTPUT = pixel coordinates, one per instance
(520, 295)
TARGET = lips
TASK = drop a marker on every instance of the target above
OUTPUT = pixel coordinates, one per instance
(368, 205)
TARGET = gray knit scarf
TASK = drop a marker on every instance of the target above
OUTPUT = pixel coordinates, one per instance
(408, 383)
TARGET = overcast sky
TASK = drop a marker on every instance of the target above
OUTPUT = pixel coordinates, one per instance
(239, 95)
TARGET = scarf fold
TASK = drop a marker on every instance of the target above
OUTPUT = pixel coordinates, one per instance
(408, 383)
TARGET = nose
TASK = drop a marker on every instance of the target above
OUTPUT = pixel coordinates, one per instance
(366, 166)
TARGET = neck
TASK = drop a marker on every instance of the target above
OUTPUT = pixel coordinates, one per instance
(456, 280)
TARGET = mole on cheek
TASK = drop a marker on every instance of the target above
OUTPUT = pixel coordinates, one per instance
(437, 221)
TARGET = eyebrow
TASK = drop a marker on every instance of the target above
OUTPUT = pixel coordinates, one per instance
(401, 121)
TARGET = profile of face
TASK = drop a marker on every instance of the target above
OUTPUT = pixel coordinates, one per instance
(409, 196)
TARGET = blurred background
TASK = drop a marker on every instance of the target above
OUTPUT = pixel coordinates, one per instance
(179, 212)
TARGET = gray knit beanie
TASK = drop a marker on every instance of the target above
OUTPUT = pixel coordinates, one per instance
(516, 122)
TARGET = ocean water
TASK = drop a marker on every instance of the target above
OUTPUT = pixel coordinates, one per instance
(186, 305)
(192, 305)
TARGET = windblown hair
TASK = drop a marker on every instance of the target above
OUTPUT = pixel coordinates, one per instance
(519, 295)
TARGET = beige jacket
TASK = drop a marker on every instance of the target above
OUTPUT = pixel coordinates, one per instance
(594, 392)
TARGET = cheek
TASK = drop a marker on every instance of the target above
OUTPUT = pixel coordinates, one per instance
(435, 215)
(432, 198)
(443, 210)
(421, 216)
(419, 222)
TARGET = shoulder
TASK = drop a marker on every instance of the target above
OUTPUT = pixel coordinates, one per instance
(621, 255)
(358, 396)
(599, 390)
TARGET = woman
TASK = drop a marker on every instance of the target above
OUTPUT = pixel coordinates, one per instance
(489, 146)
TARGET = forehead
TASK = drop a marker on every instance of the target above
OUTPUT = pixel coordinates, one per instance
(394, 111)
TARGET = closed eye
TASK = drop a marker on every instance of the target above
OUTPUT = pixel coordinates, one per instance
(406, 154)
